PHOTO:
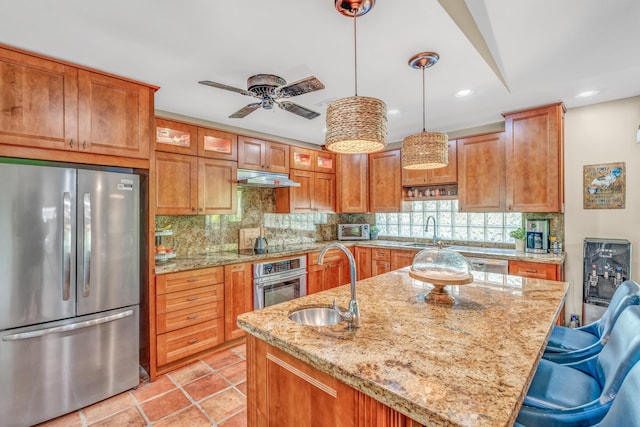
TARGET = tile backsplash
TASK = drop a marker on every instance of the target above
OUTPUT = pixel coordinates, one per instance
(200, 234)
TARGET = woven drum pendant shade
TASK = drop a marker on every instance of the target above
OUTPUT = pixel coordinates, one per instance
(357, 124)
(425, 150)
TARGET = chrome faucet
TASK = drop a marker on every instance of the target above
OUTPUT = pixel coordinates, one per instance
(353, 315)
(435, 229)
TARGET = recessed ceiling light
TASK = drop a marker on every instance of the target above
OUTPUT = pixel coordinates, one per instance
(393, 112)
(587, 93)
(464, 92)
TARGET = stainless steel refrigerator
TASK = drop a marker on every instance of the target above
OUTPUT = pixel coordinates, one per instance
(69, 288)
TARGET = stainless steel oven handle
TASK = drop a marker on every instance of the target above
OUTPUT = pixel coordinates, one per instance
(276, 278)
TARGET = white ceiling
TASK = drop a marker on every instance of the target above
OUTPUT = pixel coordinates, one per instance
(547, 50)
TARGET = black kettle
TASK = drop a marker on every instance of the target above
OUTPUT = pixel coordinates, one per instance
(260, 246)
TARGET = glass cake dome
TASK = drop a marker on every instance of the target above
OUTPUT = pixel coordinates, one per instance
(441, 267)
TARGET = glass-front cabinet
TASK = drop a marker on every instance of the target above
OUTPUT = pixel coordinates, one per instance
(217, 144)
(176, 137)
(312, 160)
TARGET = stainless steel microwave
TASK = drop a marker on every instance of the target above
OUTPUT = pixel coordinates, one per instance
(353, 231)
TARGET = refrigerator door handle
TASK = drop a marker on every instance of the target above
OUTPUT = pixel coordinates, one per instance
(66, 245)
(86, 245)
(66, 328)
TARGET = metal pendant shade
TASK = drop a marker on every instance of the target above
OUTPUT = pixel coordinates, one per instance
(357, 124)
(425, 150)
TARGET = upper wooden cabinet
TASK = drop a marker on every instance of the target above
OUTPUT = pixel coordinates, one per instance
(189, 185)
(352, 183)
(217, 144)
(176, 137)
(50, 104)
(312, 160)
(258, 154)
(481, 173)
(317, 193)
(385, 185)
(535, 159)
(440, 176)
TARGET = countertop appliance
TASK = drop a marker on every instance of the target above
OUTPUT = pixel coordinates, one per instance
(278, 281)
(70, 286)
(537, 236)
(353, 232)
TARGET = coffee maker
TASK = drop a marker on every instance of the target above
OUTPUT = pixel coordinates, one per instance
(537, 236)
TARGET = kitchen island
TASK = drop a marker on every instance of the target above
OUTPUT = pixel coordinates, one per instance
(411, 363)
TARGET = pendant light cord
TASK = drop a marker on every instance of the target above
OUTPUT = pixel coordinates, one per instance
(355, 49)
(424, 103)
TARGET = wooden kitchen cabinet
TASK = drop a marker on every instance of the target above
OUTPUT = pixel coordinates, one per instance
(333, 272)
(352, 183)
(217, 144)
(238, 297)
(189, 185)
(312, 160)
(401, 258)
(261, 155)
(385, 184)
(189, 315)
(538, 270)
(363, 262)
(176, 137)
(317, 193)
(481, 173)
(380, 261)
(55, 105)
(535, 159)
(439, 176)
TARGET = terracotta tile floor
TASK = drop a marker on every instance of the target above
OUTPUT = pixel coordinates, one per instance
(209, 392)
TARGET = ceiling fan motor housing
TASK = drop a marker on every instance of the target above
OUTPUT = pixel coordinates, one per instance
(264, 84)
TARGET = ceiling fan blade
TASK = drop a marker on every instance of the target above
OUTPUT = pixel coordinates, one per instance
(244, 111)
(298, 109)
(225, 87)
(306, 85)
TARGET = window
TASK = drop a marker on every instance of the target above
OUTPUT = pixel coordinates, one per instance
(452, 225)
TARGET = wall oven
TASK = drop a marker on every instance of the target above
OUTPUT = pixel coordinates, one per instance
(278, 281)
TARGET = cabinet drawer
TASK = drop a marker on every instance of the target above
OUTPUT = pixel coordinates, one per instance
(330, 255)
(184, 342)
(188, 280)
(174, 301)
(189, 316)
(381, 254)
(533, 269)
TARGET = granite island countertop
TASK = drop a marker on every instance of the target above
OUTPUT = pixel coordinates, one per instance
(469, 364)
(193, 262)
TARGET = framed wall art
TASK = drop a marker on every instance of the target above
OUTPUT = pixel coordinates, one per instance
(604, 186)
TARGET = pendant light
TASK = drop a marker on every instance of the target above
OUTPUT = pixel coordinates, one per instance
(357, 124)
(425, 150)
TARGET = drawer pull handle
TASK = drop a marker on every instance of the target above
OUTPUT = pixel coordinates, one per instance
(193, 316)
(237, 267)
(532, 271)
(193, 298)
(193, 341)
(193, 279)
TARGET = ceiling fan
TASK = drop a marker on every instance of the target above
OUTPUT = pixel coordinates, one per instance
(270, 89)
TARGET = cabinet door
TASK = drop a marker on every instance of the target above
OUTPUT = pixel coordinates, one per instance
(176, 137)
(277, 157)
(380, 266)
(324, 192)
(401, 259)
(315, 278)
(176, 184)
(333, 274)
(301, 198)
(535, 270)
(414, 177)
(114, 116)
(302, 158)
(535, 164)
(363, 262)
(217, 144)
(238, 297)
(217, 187)
(352, 183)
(251, 153)
(38, 101)
(481, 173)
(325, 162)
(385, 191)
(449, 173)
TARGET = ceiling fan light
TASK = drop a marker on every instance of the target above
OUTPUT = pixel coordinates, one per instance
(355, 125)
(425, 150)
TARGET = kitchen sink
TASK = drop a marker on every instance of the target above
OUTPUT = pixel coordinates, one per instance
(315, 316)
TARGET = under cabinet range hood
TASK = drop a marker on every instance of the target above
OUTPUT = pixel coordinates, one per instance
(250, 178)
